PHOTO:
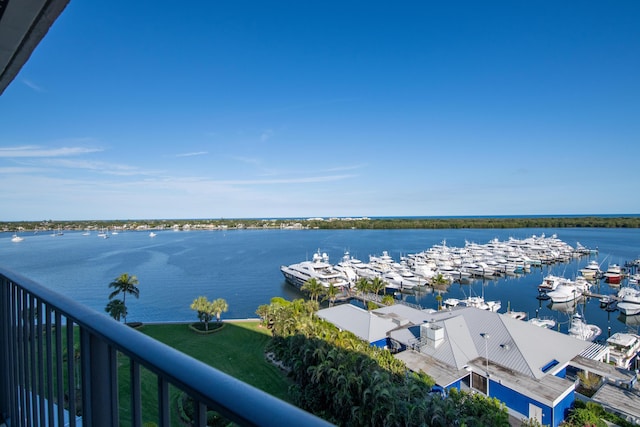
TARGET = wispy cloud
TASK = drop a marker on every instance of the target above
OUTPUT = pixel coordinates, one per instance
(102, 167)
(345, 168)
(32, 85)
(304, 180)
(37, 151)
(195, 153)
(247, 160)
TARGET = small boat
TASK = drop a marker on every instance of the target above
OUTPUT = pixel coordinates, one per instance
(17, 238)
(543, 322)
(582, 330)
(565, 292)
(518, 315)
(451, 302)
(629, 301)
(152, 234)
(613, 275)
(591, 270)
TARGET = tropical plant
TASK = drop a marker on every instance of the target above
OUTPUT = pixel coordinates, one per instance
(388, 300)
(219, 306)
(378, 285)
(363, 285)
(124, 284)
(331, 293)
(439, 282)
(313, 288)
(205, 310)
(116, 309)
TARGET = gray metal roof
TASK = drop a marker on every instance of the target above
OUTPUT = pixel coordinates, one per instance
(364, 324)
(23, 24)
(516, 345)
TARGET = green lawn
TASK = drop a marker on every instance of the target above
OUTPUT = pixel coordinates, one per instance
(237, 349)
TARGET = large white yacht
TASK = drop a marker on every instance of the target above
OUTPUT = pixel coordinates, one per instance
(318, 268)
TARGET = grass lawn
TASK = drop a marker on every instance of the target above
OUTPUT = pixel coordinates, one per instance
(237, 349)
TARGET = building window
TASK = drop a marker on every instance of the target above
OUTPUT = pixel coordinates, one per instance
(479, 382)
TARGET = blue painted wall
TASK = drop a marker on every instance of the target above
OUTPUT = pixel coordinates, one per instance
(382, 343)
(562, 373)
(519, 402)
(562, 408)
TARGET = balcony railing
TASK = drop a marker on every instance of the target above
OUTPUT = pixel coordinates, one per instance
(59, 363)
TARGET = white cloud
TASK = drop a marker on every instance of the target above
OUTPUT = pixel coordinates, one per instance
(32, 85)
(195, 153)
(37, 151)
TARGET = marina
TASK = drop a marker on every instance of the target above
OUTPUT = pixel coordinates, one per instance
(243, 267)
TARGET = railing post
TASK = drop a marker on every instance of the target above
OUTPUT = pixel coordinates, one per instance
(99, 376)
(4, 347)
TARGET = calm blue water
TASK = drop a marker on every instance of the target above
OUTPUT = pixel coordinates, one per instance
(243, 266)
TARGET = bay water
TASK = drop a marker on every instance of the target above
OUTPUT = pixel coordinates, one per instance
(243, 267)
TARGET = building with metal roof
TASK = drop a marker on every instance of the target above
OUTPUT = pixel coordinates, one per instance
(466, 348)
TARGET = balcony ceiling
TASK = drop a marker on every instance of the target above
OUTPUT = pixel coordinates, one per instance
(23, 23)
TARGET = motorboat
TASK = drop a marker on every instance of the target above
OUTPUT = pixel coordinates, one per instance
(518, 315)
(582, 330)
(451, 302)
(613, 275)
(152, 234)
(591, 271)
(543, 322)
(16, 238)
(318, 268)
(623, 349)
(629, 301)
(565, 292)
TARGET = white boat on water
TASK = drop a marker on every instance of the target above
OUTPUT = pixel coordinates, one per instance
(152, 234)
(451, 302)
(565, 292)
(623, 349)
(16, 238)
(591, 271)
(318, 268)
(543, 322)
(582, 330)
(629, 301)
(613, 275)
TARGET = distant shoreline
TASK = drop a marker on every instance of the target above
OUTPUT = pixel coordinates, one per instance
(381, 223)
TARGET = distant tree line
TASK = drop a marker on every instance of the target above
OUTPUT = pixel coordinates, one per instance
(336, 223)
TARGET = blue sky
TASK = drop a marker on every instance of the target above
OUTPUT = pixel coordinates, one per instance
(231, 109)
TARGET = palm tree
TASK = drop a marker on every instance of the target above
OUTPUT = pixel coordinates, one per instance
(219, 306)
(116, 309)
(125, 284)
(363, 285)
(313, 287)
(331, 293)
(439, 282)
(205, 310)
(377, 285)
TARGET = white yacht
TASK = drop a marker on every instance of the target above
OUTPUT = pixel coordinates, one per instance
(17, 238)
(629, 301)
(318, 268)
(582, 330)
(613, 275)
(543, 322)
(623, 349)
(564, 292)
(591, 270)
